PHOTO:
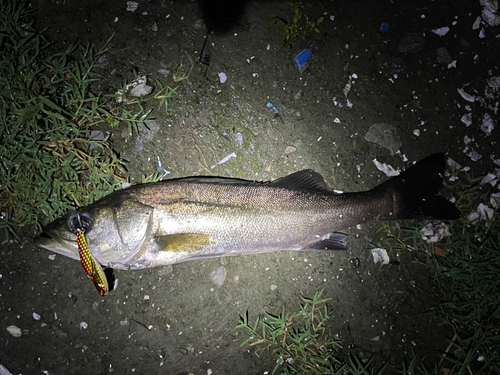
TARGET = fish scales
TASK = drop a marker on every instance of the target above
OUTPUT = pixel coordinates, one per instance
(254, 218)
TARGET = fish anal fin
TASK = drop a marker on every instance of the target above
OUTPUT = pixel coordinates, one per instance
(183, 242)
(334, 242)
(306, 179)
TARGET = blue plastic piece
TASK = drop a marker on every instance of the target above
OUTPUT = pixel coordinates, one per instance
(301, 59)
(270, 105)
(384, 27)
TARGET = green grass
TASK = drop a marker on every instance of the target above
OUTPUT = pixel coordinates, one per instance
(465, 290)
(298, 340)
(298, 26)
(48, 164)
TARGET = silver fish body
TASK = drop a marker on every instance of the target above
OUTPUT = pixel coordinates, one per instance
(173, 221)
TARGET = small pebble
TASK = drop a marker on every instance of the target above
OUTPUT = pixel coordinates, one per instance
(15, 331)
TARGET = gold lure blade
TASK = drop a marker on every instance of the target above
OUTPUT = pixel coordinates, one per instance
(91, 266)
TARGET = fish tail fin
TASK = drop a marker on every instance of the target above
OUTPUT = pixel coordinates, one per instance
(415, 192)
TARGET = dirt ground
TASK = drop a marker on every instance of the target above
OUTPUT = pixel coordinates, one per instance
(175, 319)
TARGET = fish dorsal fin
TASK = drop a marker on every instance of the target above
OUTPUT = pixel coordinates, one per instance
(303, 180)
(306, 179)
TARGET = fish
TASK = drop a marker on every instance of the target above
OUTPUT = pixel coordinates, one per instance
(172, 221)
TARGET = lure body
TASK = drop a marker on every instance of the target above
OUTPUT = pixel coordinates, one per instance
(91, 266)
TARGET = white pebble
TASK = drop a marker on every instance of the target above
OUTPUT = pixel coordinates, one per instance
(15, 331)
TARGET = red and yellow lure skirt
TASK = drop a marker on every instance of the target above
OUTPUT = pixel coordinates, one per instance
(91, 266)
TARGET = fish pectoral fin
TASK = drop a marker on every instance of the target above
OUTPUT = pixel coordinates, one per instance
(334, 242)
(184, 242)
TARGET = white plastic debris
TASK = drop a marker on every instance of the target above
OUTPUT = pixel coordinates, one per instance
(495, 200)
(132, 6)
(222, 77)
(491, 5)
(15, 331)
(348, 86)
(402, 156)
(218, 276)
(490, 18)
(164, 72)
(239, 139)
(477, 23)
(225, 159)
(485, 212)
(4, 371)
(494, 83)
(36, 316)
(473, 154)
(432, 233)
(453, 164)
(490, 178)
(467, 119)
(482, 212)
(138, 87)
(488, 125)
(466, 96)
(442, 31)
(160, 169)
(473, 216)
(83, 325)
(380, 255)
(386, 168)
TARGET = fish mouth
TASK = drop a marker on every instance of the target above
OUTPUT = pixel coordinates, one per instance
(55, 243)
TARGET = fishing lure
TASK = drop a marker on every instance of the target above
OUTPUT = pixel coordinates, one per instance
(91, 266)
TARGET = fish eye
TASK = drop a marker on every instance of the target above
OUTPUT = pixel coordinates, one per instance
(79, 220)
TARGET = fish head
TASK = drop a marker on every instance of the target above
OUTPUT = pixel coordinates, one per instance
(57, 237)
(116, 229)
